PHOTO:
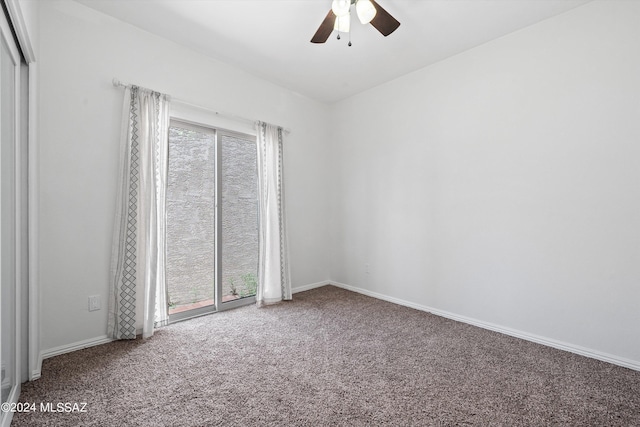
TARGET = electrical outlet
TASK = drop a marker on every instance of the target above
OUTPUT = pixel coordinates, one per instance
(94, 303)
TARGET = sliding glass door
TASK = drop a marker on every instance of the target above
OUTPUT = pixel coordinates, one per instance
(212, 220)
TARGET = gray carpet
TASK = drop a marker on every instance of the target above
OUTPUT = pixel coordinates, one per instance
(338, 358)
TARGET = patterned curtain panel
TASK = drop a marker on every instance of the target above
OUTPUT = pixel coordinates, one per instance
(138, 285)
(274, 283)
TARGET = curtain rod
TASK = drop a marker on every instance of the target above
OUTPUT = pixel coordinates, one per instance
(118, 83)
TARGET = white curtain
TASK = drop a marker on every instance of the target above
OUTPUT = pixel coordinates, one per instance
(138, 282)
(274, 283)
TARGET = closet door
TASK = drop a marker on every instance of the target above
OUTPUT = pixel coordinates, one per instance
(9, 218)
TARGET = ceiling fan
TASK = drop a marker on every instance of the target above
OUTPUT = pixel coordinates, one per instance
(339, 19)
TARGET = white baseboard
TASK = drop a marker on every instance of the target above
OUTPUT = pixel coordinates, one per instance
(605, 357)
(310, 286)
(582, 351)
(37, 371)
(79, 345)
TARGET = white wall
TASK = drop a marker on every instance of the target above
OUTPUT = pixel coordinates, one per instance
(80, 111)
(503, 184)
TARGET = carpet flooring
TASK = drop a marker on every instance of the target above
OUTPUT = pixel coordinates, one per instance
(331, 358)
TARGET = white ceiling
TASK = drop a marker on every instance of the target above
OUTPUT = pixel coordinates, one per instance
(270, 38)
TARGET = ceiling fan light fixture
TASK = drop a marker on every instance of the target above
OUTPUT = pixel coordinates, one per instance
(343, 23)
(339, 19)
(366, 11)
(340, 7)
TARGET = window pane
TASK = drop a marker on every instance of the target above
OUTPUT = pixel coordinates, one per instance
(190, 219)
(239, 216)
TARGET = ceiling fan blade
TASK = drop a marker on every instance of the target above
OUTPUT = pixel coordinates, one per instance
(383, 21)
(325, 29)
